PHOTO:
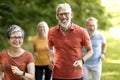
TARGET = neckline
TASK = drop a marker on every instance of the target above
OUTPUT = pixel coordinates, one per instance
(15, 56)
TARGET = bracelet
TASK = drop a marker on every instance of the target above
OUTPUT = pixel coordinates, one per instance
(103, 53)
(83, 61)
(52, 62)
(24, 73)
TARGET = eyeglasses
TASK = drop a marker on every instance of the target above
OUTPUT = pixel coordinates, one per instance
(15, 37)
(65, 14)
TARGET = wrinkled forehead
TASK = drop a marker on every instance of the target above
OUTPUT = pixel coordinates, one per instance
(92, 22)
(64, 10)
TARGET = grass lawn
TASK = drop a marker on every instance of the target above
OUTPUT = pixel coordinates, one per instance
(111, 65)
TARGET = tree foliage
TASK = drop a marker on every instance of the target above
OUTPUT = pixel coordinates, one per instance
(27, 14)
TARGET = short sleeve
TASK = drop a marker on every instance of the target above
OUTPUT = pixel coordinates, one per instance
(29, 57)
(50, 39)
(86, 38)
(0, 58)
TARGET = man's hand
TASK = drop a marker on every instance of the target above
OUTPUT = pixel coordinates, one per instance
(102, 57)
(78, 64)
(51, 65)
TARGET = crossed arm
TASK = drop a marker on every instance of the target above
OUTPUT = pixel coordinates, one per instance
(27, 75)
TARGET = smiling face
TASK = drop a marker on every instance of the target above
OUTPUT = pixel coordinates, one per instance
(16, 39)
(64, 15)
(42, 28)
(91, 25)
(15, 36)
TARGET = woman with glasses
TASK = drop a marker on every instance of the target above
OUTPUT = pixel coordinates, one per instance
(15, 62)
(41, 52)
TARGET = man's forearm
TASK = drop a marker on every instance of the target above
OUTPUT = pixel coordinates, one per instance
(87, 55)
(51, 53)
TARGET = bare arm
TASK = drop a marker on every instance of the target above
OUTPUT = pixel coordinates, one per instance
(51, 55)
(31, 72)
(78, 64)
(26, 75)
(89, 52)
(103, 48)
(1, 72)
(103, 51)
(35, 53)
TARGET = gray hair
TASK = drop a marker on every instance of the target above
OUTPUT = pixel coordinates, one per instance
(63, 5)
(91, 18)
(14, 28)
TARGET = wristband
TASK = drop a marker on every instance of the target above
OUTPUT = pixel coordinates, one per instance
(52, 62)
(24, 73)
(83, 61)
(103, 53)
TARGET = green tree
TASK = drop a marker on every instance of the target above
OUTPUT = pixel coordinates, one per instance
(27, 14)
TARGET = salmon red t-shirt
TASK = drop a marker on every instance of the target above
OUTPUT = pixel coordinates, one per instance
(21, 62)
(68, 49)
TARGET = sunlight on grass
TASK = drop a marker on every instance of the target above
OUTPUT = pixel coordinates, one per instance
(113, 39)
(111, 69)
(112, 61)
(110, 73)
(115, 32)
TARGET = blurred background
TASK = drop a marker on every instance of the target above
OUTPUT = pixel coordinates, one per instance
(28, 13)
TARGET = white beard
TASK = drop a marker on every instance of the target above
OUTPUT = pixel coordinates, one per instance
(65, 24)
(91, 33)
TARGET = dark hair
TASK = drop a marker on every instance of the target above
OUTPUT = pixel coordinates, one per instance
(14, 28)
